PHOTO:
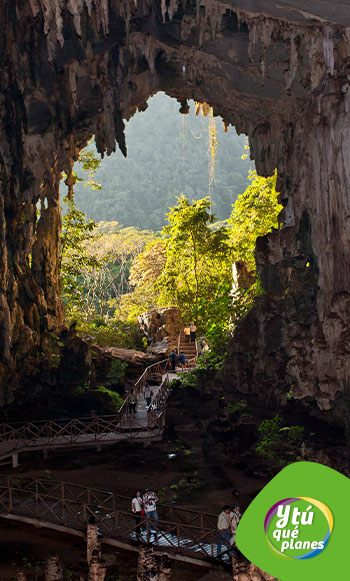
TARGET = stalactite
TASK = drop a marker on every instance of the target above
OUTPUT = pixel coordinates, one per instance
(35, 6)
(328, 48)
(173, 7)
(289, 75)
(76, 7)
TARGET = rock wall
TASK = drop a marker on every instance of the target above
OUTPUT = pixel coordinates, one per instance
(77, 68)
(160, 324)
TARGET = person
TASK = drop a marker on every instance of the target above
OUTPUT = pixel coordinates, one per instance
(182, 359)
(132, 402)
(172, 357)
(187, 333)
(150, 500)
(137, 509)
(148, 394)
(235, 517)
(224, 528)
(193, 330)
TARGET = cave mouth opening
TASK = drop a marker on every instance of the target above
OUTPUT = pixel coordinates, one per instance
(194, 154)
(279, 76)
(167, 154)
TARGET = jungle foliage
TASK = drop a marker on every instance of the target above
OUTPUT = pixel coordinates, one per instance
(255, 213)
(111, 274)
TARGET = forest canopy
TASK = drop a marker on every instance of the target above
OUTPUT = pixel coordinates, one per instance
(167, 154)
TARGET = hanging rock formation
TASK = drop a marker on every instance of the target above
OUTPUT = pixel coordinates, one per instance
(279, 72)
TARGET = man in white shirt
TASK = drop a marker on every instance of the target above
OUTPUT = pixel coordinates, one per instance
(137, 507)
(150, 500)
(224, 529)
(193, 330)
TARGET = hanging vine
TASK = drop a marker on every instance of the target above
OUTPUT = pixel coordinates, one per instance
(212, 147)
(212, 143)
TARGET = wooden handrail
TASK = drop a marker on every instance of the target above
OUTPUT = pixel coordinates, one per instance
(71, 505)
(13, 482)
(89, 429)
(148, 371)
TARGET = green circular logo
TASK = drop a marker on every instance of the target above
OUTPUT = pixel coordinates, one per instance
(298, 528)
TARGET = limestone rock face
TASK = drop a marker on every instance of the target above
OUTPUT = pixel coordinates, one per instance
(242, 277)
(277, 71)
(159, 324)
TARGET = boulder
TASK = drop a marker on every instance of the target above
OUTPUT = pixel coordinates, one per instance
(162, 348)
(159, 324)
(137, 361)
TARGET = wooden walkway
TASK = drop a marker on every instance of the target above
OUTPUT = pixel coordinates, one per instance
(184, 534)
(142, 417)
(145, 425)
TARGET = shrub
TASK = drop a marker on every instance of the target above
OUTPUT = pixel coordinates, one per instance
(279, 444)
(116, 372)
(117, 401)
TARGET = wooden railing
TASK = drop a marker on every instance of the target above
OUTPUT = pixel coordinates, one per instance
(179, 530)
(159, 367)
(61, 433)
(191, 363)
(89, 431)
(45, 434)
(160, 399)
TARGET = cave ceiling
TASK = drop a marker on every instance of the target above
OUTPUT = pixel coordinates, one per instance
(300, 10)
(280, 72)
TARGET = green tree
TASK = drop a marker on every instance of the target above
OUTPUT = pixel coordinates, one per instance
(197, 271)
(77, 230)
(145, 274)
(254, 214)
(74, 256)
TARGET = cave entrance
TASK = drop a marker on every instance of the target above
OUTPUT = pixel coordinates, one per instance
(167, 153)
(174, 149)
(279, 75)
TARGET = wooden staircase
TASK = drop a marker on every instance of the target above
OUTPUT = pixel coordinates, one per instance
(189, 349)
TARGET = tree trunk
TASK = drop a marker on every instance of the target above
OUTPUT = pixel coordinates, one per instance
(53, 569)
(147, 568)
